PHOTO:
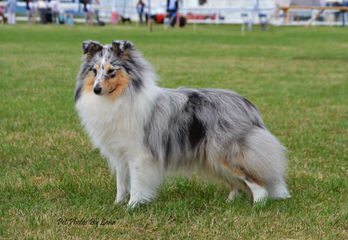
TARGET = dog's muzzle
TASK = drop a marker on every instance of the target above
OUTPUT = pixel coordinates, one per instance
(97, 89)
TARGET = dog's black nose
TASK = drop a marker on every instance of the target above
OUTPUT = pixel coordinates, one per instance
(97, 90)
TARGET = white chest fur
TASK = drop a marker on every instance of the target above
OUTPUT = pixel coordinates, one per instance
(113, 126)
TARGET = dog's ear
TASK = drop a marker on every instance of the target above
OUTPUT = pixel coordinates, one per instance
(91, 47)
(122, 48)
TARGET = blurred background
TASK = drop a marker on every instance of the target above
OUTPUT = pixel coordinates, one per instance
(276, 12)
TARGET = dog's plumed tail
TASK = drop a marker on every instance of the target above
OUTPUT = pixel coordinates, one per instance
(256, 165)
(265, 158)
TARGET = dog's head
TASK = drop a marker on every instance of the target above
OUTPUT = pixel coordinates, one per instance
(108, 70)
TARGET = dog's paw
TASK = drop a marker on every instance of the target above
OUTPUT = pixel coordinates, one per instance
(120, 200)
(132, 204)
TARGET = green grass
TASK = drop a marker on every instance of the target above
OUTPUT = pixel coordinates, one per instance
(50, 174)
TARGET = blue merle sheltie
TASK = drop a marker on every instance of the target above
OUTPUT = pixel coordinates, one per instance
(147, 132)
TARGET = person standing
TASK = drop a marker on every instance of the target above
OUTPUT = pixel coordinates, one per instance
(96, 11)
(88, 12)
(11, 7)
(172, 9)
(2, 15)
(31, 12)
(140, 9)
(55, 11)
(42, 7)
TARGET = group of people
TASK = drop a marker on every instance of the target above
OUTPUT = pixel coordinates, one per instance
(50, 12)
(89, 13)
(172, 9)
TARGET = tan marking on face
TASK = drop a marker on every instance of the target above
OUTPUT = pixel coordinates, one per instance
(88, 82)
(97, 67)
(116, 86)
(107, 67)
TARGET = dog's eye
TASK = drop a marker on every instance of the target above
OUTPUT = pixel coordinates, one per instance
(95, 72)
(112, 75)
(110, 71)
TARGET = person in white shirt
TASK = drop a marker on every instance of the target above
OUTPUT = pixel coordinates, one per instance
(55, 10)
(11, 7)
(31, 12)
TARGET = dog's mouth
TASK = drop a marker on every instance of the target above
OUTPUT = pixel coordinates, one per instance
(113, 90)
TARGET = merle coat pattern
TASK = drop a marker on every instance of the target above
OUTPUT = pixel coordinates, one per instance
(147, 132)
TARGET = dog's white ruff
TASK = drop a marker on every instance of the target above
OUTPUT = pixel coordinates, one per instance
(119, 136)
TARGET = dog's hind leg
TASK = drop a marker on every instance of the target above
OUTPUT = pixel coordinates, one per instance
(145, 177)
(234, 192)
(265, 158)
(259, 192)
(256, 187)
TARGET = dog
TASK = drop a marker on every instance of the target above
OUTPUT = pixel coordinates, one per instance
(126, 19)
(147, 132)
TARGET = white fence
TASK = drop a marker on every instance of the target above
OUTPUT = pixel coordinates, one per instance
(228, 15)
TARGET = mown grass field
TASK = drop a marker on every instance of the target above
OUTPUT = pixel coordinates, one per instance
(53, 185)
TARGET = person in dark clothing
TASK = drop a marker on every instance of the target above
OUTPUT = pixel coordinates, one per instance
(42, 7)
(87, 8)
(140, 9)
(172, 9)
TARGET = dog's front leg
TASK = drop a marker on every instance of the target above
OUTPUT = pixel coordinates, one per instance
(123, 181)
(145, 178)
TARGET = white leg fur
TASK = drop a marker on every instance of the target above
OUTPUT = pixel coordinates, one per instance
(233, 194)
(259, 193)
(123, 182)
(278, 191)
(145, 178)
